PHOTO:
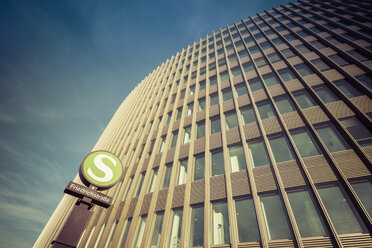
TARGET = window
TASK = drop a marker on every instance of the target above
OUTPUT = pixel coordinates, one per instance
(320, 64)
(241, 89)
(201, 103)
(338, 60)
(197, 226)
(258, 153)
(112, 233)
(305, 144)
(333, 40)
(179, 113)
(232, 58)
(236, 71)
(175, 238)
(304, 100)
(174, 138)
(276, 222)
(281, 148)
(270, 79)
(306, 214)
(190, 108)
(139, 187)
(220, 224)
(303, 33)
(248, 66)
(187, 135)
(357, 55)
(213, 80)
(215, 125)
(140, 231)
(237, 159)
(202, 85)
(227, 94)
(243, 54)
(325, 93)
(255, 84)
(284, 104)
(363, 190)
(248, 115)
(247, 221)
(265, 45)
(199, 167)
(258, 35)
(277, 41)
(359, 132)
(182, 95)
(157, 230)
(231, 120)
(274, 57)
(289, 37)
(266, 110)
(167, 176)
(253, 49)
(125, 232)
(260, 62)
(286, 74)
(347, 88)
(303, 69)
(317, 44)
(214, 99)
(153, 179)
(340, 210)
(366, 80)
(302, 49)
(169, 117)
(331, 138)
(248, 40)
(200, 129)
(192, 90)
(218, 165)
(182, 172)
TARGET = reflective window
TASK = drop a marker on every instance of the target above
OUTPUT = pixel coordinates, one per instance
(187, 135)
(347, 88)
(325, 93)
(139, 187)
(140, 230)
(218, 165)
(340, 210)
(304, 99)
(190, 108)
(366, 80)
(174, 138)
(258, 153)
(305, 144)
(224, 76)
(307, 216)
(274, 57)
(338, 60)
(303, 69)
(266, 110)
(213, 80)
(281, 148)
(125, 233)
(175, 238)
(247, 221)
(237, 159)
(284, 104)
(303, 49)
(331, 138)
(182, 172)
(200, 129)
(248, 66)
(201, 103)
(288, 53)
(359, 132)
(236, 71)
(286, 74)
(260, 62)
(214, 99)
(248, 115)
(241, 89)
(202, 84)
(197, 226)
(276, 222)
(220, 224)
(255, 84)
(167, 176)
(227, 94)
(153, 180)
(363, 190)
(320, 64)
(231, 120)
(215, 125)
(179, 113)
(199, 167)
(270, 79)
(157, 230)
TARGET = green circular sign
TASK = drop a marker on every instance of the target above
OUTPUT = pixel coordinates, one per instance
(100, 168)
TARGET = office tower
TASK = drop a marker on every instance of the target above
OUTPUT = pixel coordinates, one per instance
(258, 135)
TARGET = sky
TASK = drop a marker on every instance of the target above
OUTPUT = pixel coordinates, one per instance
(65, 67)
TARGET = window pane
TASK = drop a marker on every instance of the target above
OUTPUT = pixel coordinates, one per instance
(190, 108)
(218, 167)
(125, 232)
(201, 103)
(320, 64)
(270, 79)
(359, 132)
(260, 62)
(363, 190)
(247, 221)
(221, 232)
(303, 69)
(214, 99)
(338, 60)
(248, 115)
(231, 120)
(237, 159)
(305, 144)
(199, 168)
(241, 89)
(304, 100)
(175, 239)
(215, 125)
(286, 74)
(248, 66)
(340, 210)
(227, 94)
(255, 84)
(187, 135)
(307, 217)
(347, 88)
(258, 153)
(274, 57)
(275, 219)
(153, 180)
(266, 110)
(139, 187)
(182, 172)
(224, 76)
(332, 139)
(157, 230)
(284, 105)
(280, 147)
(167, 176)
(366, 80)
(140, 231)
(288, 53)
(200, 132)
(197, 226)
(174, 139)
(325, 93)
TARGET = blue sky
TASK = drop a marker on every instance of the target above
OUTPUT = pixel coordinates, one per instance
(65, 66)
